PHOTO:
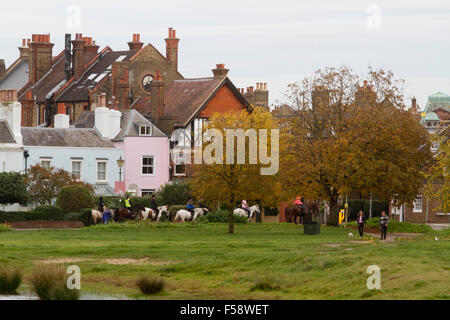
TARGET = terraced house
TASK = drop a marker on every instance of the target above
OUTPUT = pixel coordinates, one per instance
(140, 78)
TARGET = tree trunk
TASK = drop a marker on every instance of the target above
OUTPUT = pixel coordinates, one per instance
(334, 211)
(231, 222)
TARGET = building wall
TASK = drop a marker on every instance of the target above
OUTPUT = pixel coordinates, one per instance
(137, 147)
(61, 159)
(11, 157)
(224, 101)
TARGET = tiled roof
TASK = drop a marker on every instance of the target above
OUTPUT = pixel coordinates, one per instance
(71, 137)
(186, 97)
(129, 123)
(79, 90)
(6, 135)
(53, 79)
(16, 76)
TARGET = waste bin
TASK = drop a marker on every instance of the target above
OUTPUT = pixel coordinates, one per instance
(312, 227)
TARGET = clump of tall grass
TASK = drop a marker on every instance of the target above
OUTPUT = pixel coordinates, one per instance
(49, 283)
(265, 284)
(150, 285)
(4, 227)
(10, 280)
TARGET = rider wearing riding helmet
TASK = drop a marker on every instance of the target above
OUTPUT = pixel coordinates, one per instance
(101, 205)
(127, 203)
(298, 201)
(245, 206)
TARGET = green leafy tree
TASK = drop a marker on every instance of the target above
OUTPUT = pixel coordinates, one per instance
(174, 193)
(12, 188)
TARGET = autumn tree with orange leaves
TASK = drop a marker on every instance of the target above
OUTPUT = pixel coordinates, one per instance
(353, 133)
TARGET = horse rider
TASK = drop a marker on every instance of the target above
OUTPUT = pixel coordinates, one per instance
(101, 205)
(298, 202)
(244, 206)
(190, 207)
(153, 205)
(127, 203)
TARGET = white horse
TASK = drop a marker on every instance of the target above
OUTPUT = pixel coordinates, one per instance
(97, 216)
(185, 215)
(148, 213)
(243, 213)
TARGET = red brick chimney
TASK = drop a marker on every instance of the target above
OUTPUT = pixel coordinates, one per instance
(157, 96)
(78, 56)
(414, 103)
(2, 67)
(220, 71)
(172, 48)
(25, 49)
(40, 56)
(89, 45)
(136, 44)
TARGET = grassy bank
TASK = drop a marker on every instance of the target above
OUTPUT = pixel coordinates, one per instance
(395, 226)
(259, 261)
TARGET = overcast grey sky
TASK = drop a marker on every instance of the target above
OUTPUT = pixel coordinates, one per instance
(278, 42)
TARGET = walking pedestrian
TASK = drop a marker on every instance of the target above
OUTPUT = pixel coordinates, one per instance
(384, 221)
(361, 221)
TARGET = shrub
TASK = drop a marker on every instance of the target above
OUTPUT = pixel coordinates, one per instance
(220, 216)
(74, 198)
(46, 213)
(13, 188)
(49, 283)
(271, 211)
(10, 280)
(150, 285)
(84, 215)
(355, 205)
(265, 284)
(110, 202)
(144, 201)
(395, 226)
(174, 193)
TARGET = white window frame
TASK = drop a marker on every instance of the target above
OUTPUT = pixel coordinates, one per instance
(81, 167)
(181, 174)
(147, 128)
(418, 204)
(97, 172)
(45, 159)
(150, 191)
(153, 166)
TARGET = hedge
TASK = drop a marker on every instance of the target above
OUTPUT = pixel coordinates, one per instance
(271, 211)
(83, 215)
(220, 216)
(48, 213)
(355, 205)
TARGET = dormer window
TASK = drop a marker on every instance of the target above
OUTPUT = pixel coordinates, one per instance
(145, 130)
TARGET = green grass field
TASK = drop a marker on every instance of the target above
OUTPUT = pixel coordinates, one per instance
(259, 261)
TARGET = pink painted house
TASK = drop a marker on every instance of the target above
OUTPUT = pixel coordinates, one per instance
(146, 148)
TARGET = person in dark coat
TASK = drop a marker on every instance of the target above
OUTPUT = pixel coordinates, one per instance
(154, 205)
(384, 221)
(101, 205)
(361, 220)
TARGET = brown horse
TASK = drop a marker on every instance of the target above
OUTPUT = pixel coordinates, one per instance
(124, 214)
(294, 212)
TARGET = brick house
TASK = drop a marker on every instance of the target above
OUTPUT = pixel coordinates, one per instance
(435, 118)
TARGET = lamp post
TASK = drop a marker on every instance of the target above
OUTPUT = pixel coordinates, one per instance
(120, 163)
(26, 154)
